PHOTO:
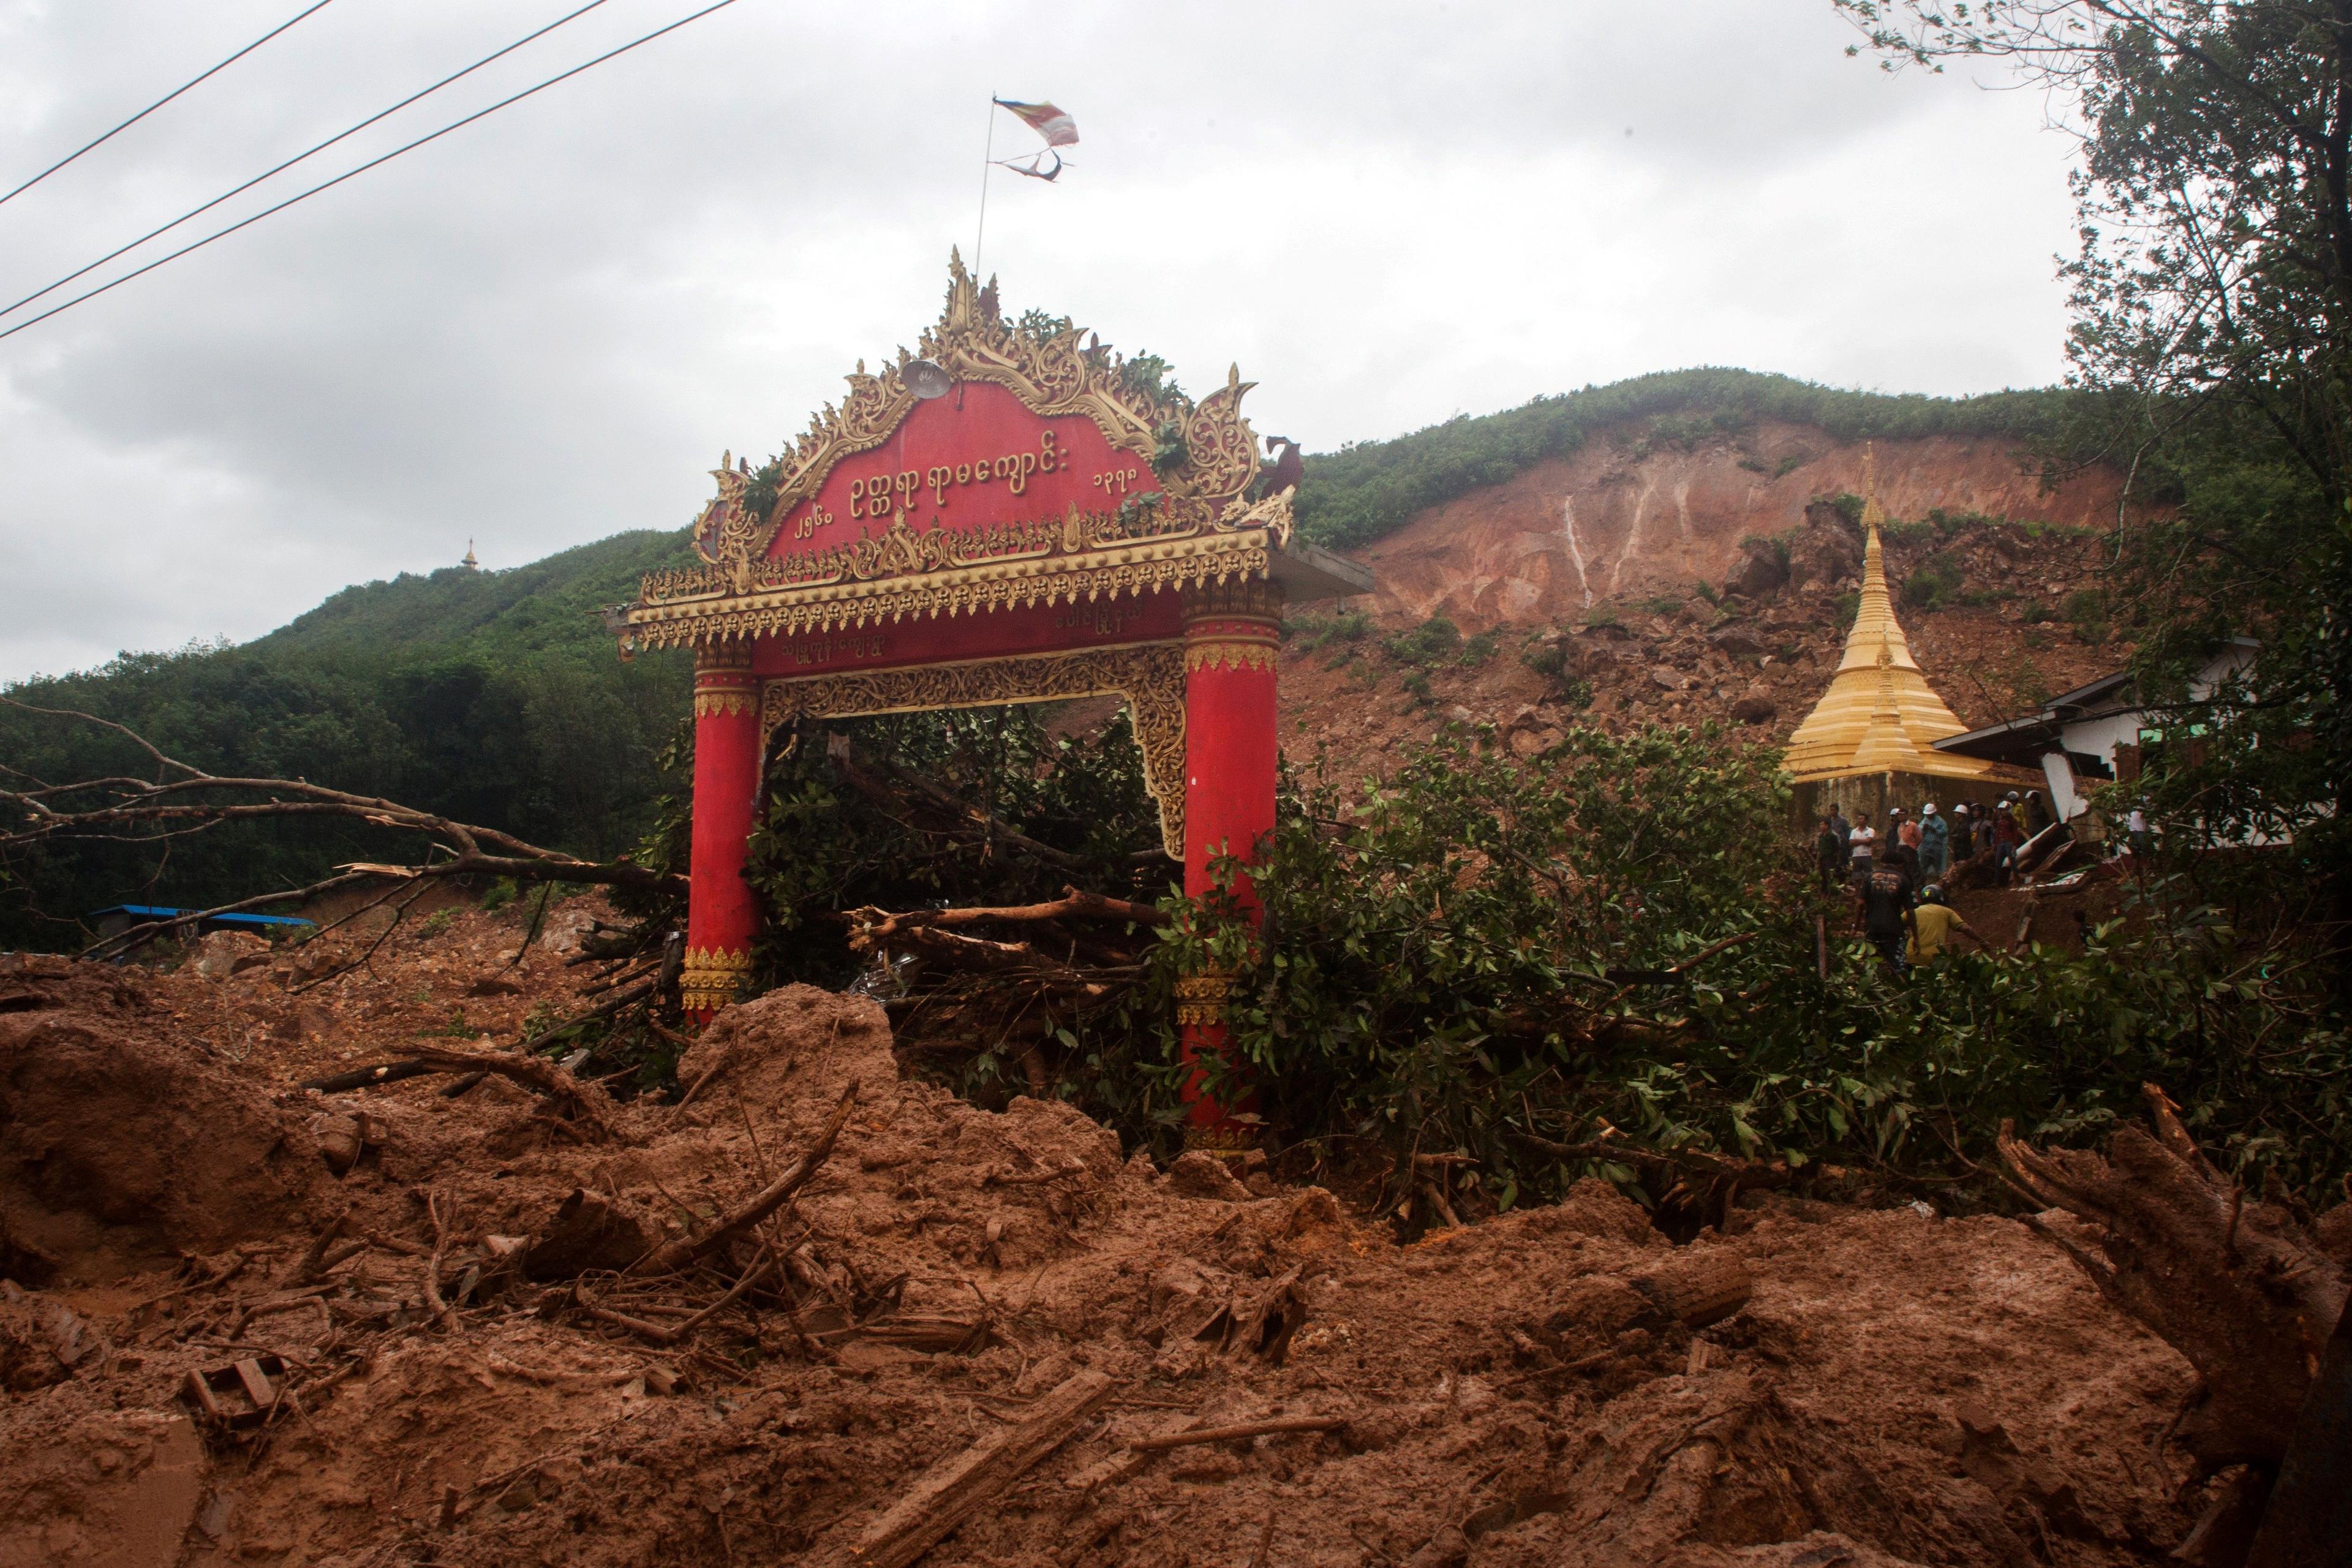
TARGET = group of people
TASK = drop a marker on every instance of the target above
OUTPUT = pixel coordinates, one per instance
(1897, 871)
(1931, 844)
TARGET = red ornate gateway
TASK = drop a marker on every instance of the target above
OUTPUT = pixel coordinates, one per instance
(1012, 517)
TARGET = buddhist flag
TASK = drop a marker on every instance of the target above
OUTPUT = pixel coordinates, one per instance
(1056, 127)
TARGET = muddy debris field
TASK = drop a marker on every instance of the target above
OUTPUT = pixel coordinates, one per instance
(824, 1312)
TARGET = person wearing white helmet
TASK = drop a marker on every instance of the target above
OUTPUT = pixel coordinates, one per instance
(1934, 842)
(1963, 845)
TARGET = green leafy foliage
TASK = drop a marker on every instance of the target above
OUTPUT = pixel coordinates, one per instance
(2086, 611)
(834, 834)
(1314, 632)
(1435, 641)
(1464, 955)
(1548, 659)
(1934, 582)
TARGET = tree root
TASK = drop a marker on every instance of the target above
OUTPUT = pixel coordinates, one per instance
(2242, 1289)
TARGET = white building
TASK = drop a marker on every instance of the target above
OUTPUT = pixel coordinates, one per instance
(2094, 734)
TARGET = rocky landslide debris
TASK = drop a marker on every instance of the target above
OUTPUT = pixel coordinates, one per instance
(963, 1337)
(1754, 657)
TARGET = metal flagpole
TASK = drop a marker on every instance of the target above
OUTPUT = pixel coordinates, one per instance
(987, 156)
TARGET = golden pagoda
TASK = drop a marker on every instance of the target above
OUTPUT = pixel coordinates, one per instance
(1880, 718)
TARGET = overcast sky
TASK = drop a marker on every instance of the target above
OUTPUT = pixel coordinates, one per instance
(544, 328)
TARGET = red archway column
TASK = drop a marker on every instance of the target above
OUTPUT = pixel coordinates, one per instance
(1231, 640)
(721, 915)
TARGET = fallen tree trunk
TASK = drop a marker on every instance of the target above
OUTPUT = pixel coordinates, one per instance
(2239, 1287)
(367, 1076)
(956, 1488)
(1276, 1427)
(876, 925)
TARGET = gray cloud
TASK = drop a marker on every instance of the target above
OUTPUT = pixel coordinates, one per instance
(543, 329)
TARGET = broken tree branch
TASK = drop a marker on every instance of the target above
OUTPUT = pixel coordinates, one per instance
(187, 797)
(962, 952)
(673, 1256)
(672, 1333)
(532, 1072)
(1237, 1432)
(442, 1312)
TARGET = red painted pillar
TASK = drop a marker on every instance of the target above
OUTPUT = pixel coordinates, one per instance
(1231, 645)
(721, 915)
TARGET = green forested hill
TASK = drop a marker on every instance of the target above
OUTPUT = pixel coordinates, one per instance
(521, 614)
(497, 697)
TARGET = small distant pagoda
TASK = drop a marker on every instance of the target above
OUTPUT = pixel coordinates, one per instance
(1870, 742)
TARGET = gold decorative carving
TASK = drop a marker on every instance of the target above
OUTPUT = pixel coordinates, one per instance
(1050, 375)
(720, 702)
(712, 978)
(721, 659)
(1252, 653)
(1267, 511)
(1201, 998)
(727, 533)
(1135, 569)
(1149, 676)
(1248, 598)
(1202, 528)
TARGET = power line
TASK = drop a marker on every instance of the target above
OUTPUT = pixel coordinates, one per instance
(160, 102)
(363, 168)
(339, 136)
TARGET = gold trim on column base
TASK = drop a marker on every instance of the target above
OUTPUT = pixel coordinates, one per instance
(712, 978)
(1149, 676)
(724, 702)
(1253, 653)
(1201, 998)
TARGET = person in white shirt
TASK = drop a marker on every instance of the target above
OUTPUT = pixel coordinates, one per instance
(1860, 847)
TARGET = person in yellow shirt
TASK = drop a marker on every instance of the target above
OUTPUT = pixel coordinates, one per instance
(1933, 924)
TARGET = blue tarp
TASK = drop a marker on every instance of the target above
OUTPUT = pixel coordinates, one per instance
(140, 913)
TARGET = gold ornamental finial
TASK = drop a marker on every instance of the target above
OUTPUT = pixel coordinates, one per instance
(1871, 514)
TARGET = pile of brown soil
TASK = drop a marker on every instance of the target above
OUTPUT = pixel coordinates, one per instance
(122, 1143)
(1897, 1387)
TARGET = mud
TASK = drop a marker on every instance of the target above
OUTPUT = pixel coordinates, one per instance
(1899, 1387)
